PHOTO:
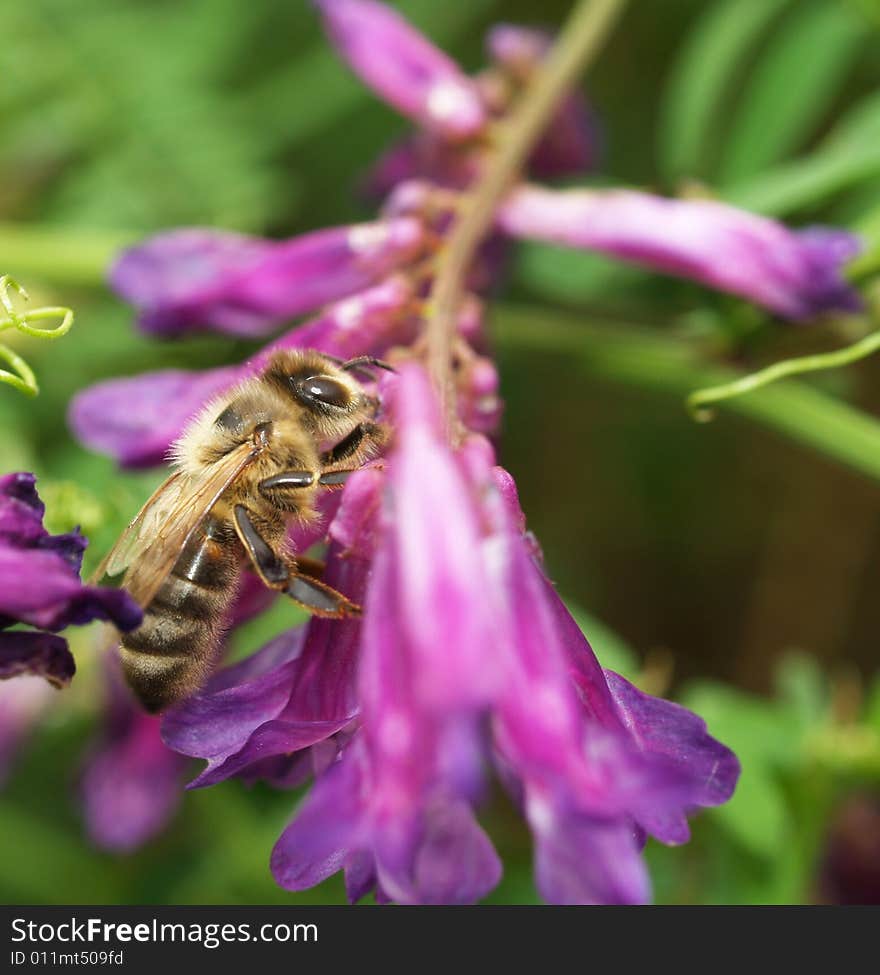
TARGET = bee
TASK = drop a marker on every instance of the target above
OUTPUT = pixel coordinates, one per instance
(250, 464)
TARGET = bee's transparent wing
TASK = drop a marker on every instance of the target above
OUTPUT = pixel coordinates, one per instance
(193, 497)
(141, 529)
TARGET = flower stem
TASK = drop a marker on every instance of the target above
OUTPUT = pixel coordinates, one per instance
(579, 41)
(61, 255)
(699, 400)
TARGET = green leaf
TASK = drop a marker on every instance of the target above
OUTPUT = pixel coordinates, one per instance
(801, 689)
(751, 726)
(765, 738)
(868, 228)
(868, 8)
(44, 864)
(130, 131)
(233, 867)
(702, 73)
(517, 885)
(872, 705)
(806, 182)
(565, 274)
(848, 157)
(792, 87)
(860, 126)
(756, 815)
(63, 255)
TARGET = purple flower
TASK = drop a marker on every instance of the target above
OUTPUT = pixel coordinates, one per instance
(465, 657)
(796, 274)
(27, 652)
(434, 562)
(423, 156)
(40, 586)
(102, 418)
(404, 67)
(567, 147)
(197, 278)
(131, 783)
(479, 401)
(184, 280)
(588, 770)
(517, 48)
(435, 853)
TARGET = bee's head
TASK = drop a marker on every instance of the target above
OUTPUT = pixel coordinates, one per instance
(327, 388)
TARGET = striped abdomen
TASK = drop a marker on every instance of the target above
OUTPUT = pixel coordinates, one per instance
(171, 652)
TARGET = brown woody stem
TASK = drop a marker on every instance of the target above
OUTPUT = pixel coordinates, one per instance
(579, 41)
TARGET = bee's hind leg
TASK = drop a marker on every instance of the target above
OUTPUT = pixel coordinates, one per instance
(319, 598)
(269, 566)
(286, 576)
(314, 568)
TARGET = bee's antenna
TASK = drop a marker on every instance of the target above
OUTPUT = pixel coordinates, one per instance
(364, 362)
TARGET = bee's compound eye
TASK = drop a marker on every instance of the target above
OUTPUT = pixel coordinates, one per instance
(230, 420)
(324, 390)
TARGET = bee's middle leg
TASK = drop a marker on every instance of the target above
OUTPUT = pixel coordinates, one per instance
(286, 481)
(285, 575)
(348, 446)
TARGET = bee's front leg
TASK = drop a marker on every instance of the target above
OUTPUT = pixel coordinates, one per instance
(286, 576)
(347, 447)
(352, 451)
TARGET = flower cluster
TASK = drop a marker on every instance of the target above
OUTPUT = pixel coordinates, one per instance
(205, 279)
(465, 661)
(370, 277)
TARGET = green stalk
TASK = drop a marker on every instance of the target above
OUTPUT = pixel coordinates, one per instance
(581, 38)
(699, 400)
(65, 255)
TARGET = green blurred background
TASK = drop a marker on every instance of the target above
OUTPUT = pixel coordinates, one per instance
(733, 566)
